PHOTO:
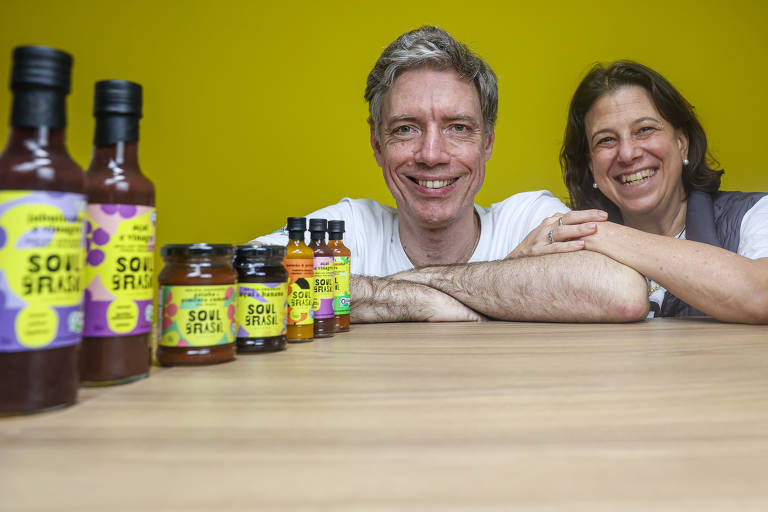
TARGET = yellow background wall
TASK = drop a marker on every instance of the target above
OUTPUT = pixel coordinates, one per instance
(254, 111)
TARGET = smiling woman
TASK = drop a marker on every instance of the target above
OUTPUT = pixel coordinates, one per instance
(634, 148)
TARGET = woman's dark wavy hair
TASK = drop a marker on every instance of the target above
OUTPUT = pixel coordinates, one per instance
(601, 80)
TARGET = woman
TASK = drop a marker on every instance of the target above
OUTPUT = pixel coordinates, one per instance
(634, 148)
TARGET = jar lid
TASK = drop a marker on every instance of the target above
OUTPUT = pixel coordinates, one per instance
(261, 253)
(197, 250)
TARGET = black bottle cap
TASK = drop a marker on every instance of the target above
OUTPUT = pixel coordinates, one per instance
(117, 97)
(336, 226)
(196, 250)
(296, 224)
(41, 66)
(318, 225)
(260, 254)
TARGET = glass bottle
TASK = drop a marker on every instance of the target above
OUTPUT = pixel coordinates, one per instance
(342, 276)
(299, 262)
(322, 304)
(42, 206)
(120, 243)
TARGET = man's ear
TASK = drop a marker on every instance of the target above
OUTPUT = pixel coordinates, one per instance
(489, 140)
(376, 147)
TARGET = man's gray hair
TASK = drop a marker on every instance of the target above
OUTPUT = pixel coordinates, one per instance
(431, 47)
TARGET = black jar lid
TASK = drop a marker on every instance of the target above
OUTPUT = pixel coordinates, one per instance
(264, 254)
(202, 249)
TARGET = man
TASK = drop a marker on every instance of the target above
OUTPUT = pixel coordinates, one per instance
(433, 108)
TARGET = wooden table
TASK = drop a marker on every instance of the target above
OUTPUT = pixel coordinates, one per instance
(662, 415)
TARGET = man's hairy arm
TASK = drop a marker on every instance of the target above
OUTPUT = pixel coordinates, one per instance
(578, 286)
(380, 299)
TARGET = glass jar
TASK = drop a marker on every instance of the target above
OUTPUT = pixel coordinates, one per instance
(196, 305)
(262, 298)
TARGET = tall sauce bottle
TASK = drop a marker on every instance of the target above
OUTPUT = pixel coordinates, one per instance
(322, 304)
(299, 262)
(120, 243)
(42, 206)
(341, 255)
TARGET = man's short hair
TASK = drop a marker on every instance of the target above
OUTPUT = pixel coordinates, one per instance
(433, 47)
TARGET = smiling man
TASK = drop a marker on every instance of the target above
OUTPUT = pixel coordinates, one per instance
(437, 257)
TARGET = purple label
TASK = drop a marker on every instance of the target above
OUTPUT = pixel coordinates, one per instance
(324, 287)
(41, 264)
(119, 270)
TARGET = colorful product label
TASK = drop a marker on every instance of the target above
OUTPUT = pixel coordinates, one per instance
(196, 316)
(262, 309)
(341, 299)
(119, 266)
(41, 269)
(300, 290)
(322, 303)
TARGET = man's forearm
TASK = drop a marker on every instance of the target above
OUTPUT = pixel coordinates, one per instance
(581, 286)
(376, 299)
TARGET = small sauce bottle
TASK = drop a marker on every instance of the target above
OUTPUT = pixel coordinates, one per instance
(120, 244)
(262, 298)
(341, 255)
(322, 304)
(299, 262)
(196, 305)
(42, 247)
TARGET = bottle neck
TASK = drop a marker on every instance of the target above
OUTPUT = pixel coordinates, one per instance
(296, 235)
(39, 140)
(35, 107)
(111, 129)
(335, 236)
(317, 235)
(121, 157)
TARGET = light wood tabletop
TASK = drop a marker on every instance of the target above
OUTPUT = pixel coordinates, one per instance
(659, 415)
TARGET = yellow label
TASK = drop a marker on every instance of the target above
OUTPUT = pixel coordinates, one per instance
(262, 309)
(196, 316)
(341, 300)
(119, 269)
(300, 290)
(41, 266)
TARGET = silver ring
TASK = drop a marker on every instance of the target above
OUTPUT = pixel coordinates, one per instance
(560, 221)
(550, 237)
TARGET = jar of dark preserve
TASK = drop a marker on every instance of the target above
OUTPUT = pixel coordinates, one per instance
(262, 298)
(196, 306)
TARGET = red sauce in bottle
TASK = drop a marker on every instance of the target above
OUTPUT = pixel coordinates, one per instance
(119, 295)
(42, 205)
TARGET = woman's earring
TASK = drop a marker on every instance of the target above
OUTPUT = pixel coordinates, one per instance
(685, 161)
(594, 185)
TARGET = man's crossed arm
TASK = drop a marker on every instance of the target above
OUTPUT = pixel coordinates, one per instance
(580, 286)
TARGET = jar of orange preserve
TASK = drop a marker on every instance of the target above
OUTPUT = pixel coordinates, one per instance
(196, 306)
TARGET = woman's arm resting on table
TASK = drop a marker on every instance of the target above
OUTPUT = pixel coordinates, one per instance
(380, 299)
(718, 282)
(579, 286)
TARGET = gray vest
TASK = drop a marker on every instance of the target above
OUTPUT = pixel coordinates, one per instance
(715, 220)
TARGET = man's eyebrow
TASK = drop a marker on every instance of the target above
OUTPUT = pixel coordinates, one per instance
(401, 117)
(461, 116)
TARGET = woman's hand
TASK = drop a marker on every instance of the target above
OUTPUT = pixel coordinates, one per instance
(560, 233)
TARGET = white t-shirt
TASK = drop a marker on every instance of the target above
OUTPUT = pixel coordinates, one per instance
(373, 236)
(753, 244)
